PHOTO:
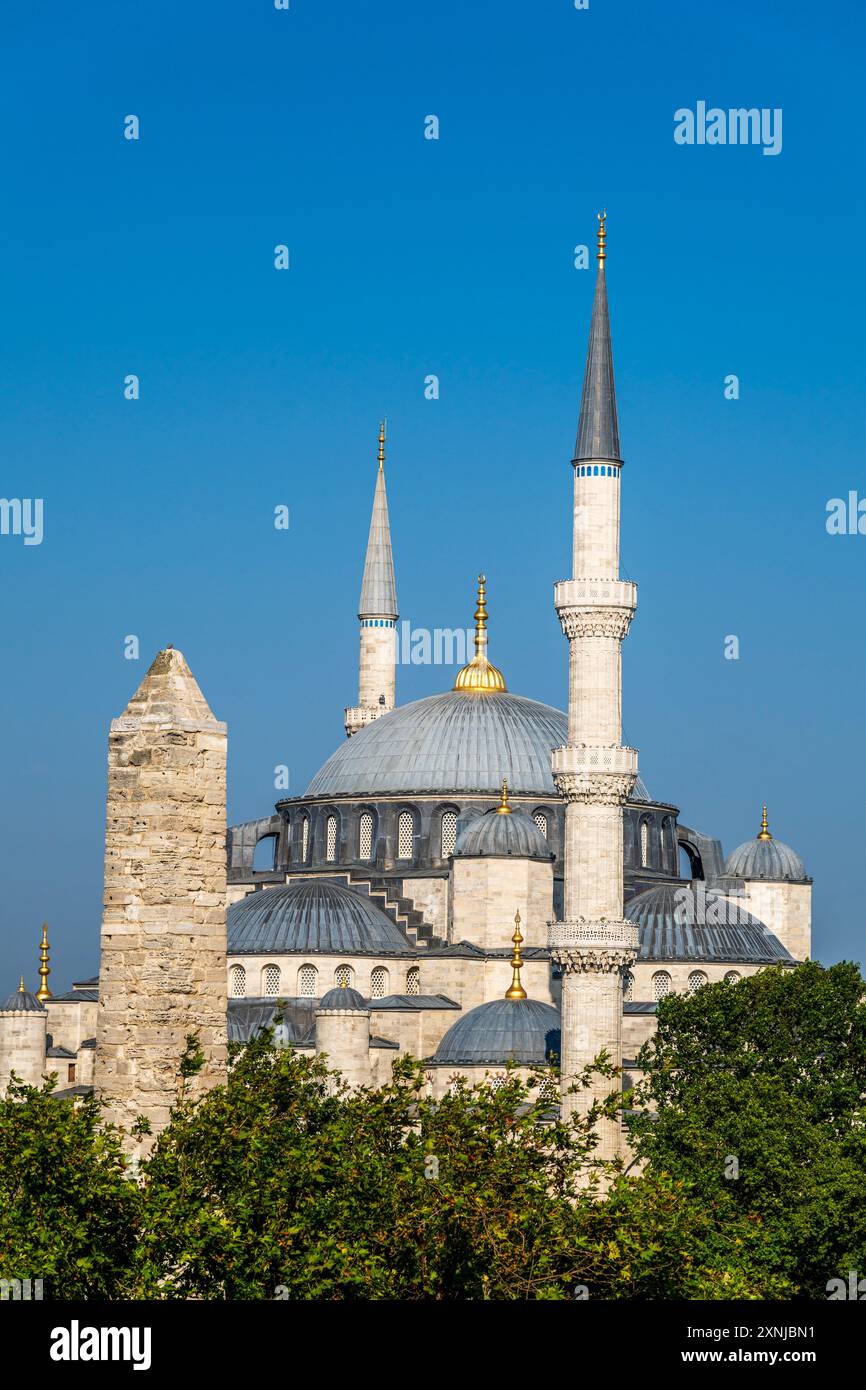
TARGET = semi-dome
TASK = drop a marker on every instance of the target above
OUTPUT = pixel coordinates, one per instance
(456, 743)
(504, 1030)
(765, 857)
(22, 1002)
(502, 833)
(343, 997)
(688, 922)
(311, 916)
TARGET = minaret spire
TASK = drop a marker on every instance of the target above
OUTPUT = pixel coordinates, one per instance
(598, 426)
(377, 613)
(594, 773)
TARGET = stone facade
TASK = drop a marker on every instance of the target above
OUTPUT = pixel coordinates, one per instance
(163, 944)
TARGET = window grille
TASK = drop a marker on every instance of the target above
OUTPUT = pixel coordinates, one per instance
(343, 975)
(644, 843)
(405, 829)
(661, 984)
(733, 976)
(627, 986)
(305, 838)
(449, 833)
(239, 981)
(379, 983)
(696, 980)
(331, 839)
(541, 821)
(307, 981)
(272, 979)
(365, 838)
(413, 980)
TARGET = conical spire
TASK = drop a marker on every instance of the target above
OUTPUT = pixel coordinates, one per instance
(598, 428)
(379, 587)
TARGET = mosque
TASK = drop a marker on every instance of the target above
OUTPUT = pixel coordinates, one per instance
(475, 878)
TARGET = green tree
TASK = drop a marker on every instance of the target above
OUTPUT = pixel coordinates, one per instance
(68, 1210)
(753, 1095)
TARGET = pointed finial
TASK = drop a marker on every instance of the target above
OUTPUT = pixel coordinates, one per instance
(43, 991)
(21, 989)
(382, 429)
(480, 675)
(516, 990)
(764, 833)
(601, 254)
(503, 809)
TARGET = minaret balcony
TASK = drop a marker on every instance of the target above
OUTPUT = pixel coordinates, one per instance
(595, 593)
(594, 775)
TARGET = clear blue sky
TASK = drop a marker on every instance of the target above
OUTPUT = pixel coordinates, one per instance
(411, 257)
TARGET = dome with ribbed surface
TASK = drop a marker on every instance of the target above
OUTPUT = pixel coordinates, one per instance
(22, 1002)
(514, 835)
(504, 1030)
(310, 916)
(343, 997)
(458, 742)
(771, 859)
(688, 922)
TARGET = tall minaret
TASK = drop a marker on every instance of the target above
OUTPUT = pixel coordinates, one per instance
(377, 614)
(594, 772)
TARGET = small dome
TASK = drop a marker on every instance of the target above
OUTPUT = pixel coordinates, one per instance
(765, 857)
(312, 915)
(688, 921)
(343, 997)
(22, 1002)
(505, 1030)
(514, 834)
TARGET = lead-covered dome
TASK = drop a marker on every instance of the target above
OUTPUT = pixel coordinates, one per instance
(343, 998)
(22, 1002)
(309, 916)
(765, 857)
(459, 742)
(504, 1030)
(689, 922)
(492, 835)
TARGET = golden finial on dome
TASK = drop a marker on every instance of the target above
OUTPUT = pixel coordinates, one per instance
(516, 991)
(764, 833)
(43, 991)
(601, 254)
(480, 676)
(382, 443)
(21, 989)
(503, 809)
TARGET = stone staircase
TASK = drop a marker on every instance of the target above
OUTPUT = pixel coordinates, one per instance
(387, 894)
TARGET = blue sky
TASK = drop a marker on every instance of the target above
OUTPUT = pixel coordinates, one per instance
(410, 257)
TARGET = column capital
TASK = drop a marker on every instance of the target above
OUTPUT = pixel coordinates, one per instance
(595, 774)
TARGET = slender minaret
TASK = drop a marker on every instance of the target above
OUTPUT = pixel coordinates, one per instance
(594, 772)
(377, 614)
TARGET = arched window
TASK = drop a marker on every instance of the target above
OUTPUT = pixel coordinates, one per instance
(644, 844)
(365, 836)
(540, 818)
(497, 1083)
(548, 1090)
(331, 839)
(265, 855)
(379, 983)
(307, 981)
(696, 980)
(413, 980)
(271, 979)
(238, 980)
(405, 835)
(305, 838)
(732, 976)
(667, 843)
(661, 984)
(627, 986)
(343, 976)
(449, 833)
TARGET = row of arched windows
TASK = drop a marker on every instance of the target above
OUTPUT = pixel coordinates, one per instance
(309, 987)
(662, 982)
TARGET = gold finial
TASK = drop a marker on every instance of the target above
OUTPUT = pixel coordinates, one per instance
(516, 990)
(480, 675)
(382, 443)
(21, 989)
(503, 809)
(601, 254)
(43, 991)
(764, 833)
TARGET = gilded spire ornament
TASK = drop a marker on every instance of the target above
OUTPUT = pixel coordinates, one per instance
(480, 676)
(382, 443)
(601, 254)
(21, 989)
(764, 833)
(516, 991)
(43, 991)
(503, 809)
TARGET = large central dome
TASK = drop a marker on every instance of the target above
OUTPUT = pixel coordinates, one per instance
(454, 743)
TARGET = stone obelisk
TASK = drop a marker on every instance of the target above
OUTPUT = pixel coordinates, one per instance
(162, 973)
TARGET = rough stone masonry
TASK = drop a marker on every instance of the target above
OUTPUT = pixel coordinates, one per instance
(162, 968)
